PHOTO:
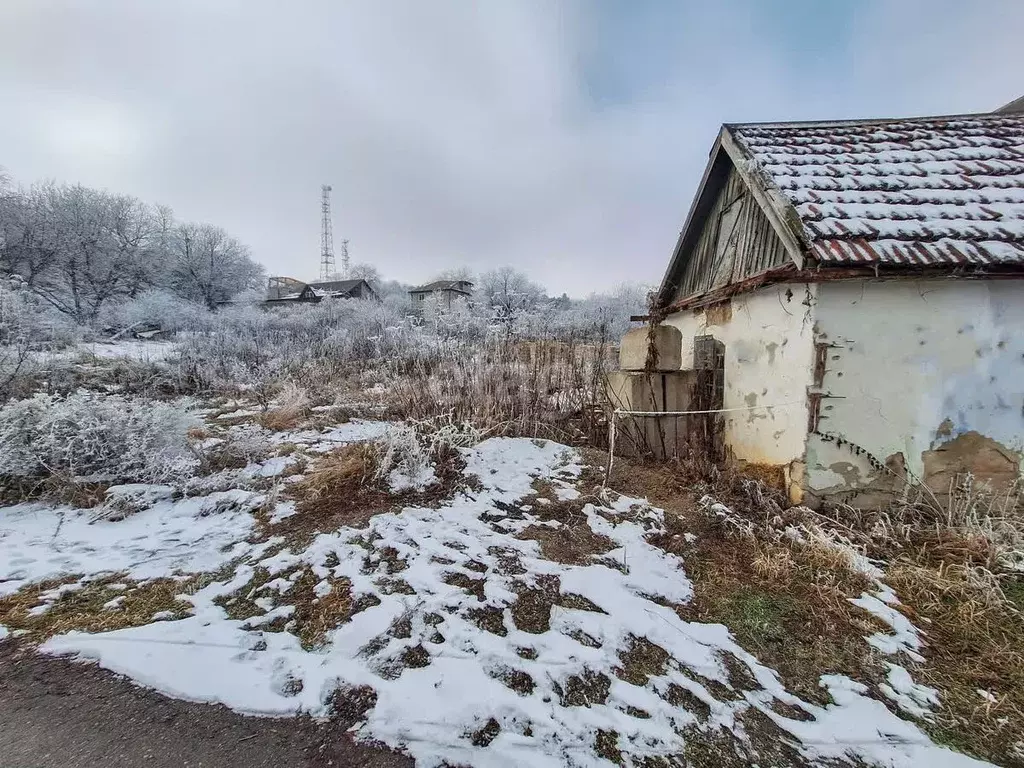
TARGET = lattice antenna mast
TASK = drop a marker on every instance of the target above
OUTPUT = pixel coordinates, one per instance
(344, 258)
(327, 235)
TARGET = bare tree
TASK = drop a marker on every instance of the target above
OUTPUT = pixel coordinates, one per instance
(457, 273)
(210, 266)
(366, 272)
(509, 292)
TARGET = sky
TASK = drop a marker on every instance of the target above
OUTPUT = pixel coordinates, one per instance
(563, 137)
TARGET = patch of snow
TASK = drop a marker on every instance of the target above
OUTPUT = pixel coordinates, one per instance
(417, 480)
(272, 467)
(911, 697)
(39, 542)
(162, 615)
(355, 431)
(904, 636)
(283, 510)
(3, 632)
(507, 467)
(859, 727)
(113, 604)
(988, 696)
(241, 413)
(461, 681)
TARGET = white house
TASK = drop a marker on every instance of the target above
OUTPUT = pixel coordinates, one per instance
(866, 279)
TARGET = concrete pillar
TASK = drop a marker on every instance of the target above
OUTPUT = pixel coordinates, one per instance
(667, 341)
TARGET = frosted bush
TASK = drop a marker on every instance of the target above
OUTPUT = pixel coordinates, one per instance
(26, 319)
(404, 461)
(244, 444)
(93, 437)
(157, 307)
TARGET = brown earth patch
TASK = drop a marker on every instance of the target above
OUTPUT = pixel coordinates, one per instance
(472, 586)
(315, 617)
(339, 489)
(83, 610)
(584, 690)
(678, 696)
(640, 660)
(489, 619)
(572, 546)
(578, 603)
(487, 734)
(516, 679)
(531, 611)
(606, 745)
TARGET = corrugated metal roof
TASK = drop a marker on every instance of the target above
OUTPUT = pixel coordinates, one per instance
(939, 190)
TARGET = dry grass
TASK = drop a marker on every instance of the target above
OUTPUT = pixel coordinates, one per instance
(83, 609)
(542, 388)
(289, 409)
(339, 490)
(974, 643)
(785, 596)
(344, 488)
(58, 488)
(572, 546)
(314, 616)
(786, 602)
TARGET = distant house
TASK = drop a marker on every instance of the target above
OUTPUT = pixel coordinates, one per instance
(442, 294)
(853, 294)
(288, 289)
(345, 289)
(281, 290)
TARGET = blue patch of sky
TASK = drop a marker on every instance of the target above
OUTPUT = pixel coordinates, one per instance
(631, 48)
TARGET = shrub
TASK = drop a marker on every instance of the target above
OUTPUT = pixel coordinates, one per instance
(90, 437)
(161, 308)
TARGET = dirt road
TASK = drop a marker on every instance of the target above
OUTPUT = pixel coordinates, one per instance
(59, 714)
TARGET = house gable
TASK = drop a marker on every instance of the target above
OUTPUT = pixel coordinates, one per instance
(728, 237)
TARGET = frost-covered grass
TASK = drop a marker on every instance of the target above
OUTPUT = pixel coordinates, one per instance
(531, 380)
(524, 618)
(91, 438)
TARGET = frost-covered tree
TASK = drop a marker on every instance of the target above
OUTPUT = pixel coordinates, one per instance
(457, 273)
(210, 266)
(508, 293)
(84, 250)
(366, 272)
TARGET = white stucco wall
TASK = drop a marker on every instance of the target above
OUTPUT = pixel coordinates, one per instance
(910, 355)
(769, 344)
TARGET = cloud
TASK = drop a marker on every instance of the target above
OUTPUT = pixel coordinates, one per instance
(566, 139)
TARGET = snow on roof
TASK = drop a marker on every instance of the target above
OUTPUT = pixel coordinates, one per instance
(336, 286)
(933, 190)
(462, 286)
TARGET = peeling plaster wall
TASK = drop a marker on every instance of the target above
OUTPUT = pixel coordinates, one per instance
(769, 344)
(911, 366)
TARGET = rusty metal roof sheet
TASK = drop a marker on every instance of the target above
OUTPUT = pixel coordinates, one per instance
(916, 191)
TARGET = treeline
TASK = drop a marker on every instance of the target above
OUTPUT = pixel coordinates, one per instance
(85, 250)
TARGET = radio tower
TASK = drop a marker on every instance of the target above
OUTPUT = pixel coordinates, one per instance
(327, 236)
(344, 258)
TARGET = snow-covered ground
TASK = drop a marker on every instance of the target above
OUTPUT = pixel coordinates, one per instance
(480, 650)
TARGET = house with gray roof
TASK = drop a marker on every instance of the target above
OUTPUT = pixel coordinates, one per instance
(440, 294)
(288, 290)
(858, 288)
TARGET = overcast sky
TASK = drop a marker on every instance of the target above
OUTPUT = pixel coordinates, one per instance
(565, 138)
